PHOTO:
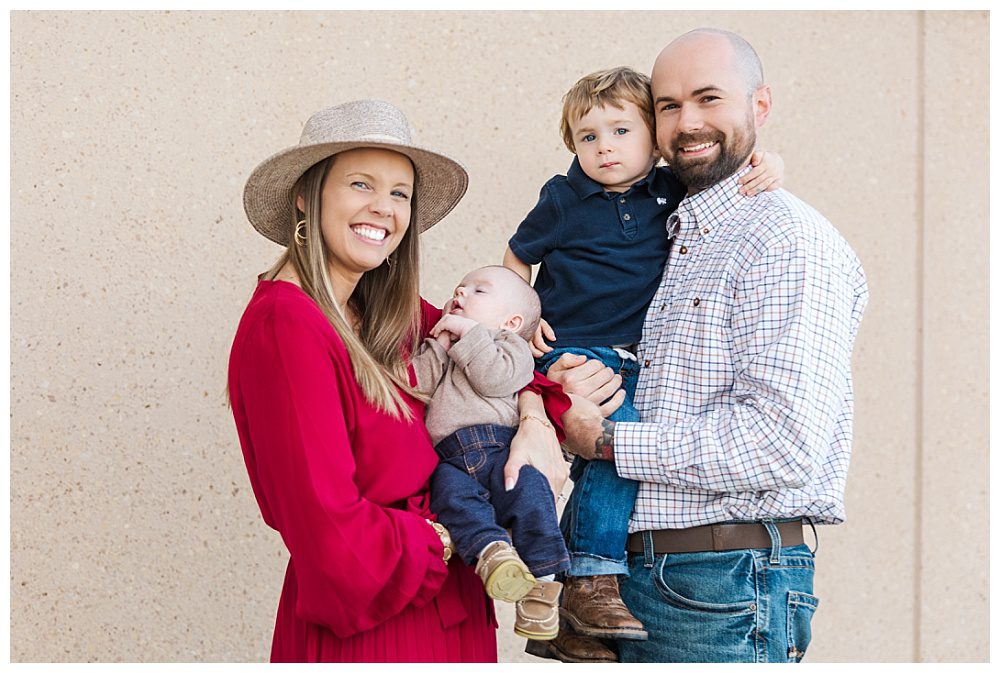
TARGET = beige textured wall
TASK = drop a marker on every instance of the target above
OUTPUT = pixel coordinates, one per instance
(134, 534)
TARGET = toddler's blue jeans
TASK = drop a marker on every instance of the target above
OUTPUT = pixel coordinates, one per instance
(595, 520)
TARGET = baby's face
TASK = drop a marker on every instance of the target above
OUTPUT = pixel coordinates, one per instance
(485, 295)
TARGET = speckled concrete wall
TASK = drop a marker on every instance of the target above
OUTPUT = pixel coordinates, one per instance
(134, 534)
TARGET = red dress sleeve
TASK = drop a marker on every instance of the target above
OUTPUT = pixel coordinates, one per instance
(555, 400)
(357, 563)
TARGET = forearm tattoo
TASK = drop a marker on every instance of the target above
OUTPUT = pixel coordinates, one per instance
(604, 447)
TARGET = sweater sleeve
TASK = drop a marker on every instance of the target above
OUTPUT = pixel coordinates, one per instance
(429, 366)
(496, 364)
(357, 563)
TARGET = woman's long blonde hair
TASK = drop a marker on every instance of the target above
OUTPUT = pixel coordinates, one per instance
(386, 298)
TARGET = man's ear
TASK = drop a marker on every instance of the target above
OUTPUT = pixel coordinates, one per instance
(761, 104)
(514, 322)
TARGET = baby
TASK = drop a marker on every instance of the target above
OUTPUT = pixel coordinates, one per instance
(473, 368)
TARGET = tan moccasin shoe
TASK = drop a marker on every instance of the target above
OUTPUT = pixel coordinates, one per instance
(538, 612)
(503, 573)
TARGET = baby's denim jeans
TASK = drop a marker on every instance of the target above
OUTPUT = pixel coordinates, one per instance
(595, 521)
(467, 494)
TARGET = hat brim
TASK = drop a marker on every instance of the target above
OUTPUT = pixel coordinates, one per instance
(268, 199)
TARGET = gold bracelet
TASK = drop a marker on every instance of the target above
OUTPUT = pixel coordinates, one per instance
(445, 537)
(543, 421)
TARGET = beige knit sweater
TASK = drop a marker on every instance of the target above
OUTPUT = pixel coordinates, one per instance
(475, 382)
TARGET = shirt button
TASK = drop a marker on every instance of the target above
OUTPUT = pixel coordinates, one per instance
(697, 301)
(705, 230)
(627, 217)
(621, 200)
(684, 250)
(647, 363)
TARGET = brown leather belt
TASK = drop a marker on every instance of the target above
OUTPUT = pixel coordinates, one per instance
(717, 537)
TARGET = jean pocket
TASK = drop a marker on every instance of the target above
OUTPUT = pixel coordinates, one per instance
(801, 608)
(474, 459)
(693, 586)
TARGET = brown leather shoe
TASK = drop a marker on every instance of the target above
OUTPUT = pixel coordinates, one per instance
(571, 648)
(593, 607)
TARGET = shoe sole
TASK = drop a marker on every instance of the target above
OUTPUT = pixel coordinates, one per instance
(535, 635)
(585, 629)
(547, 650)
(510, 582)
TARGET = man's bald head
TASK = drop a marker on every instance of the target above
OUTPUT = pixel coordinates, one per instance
(744, 59)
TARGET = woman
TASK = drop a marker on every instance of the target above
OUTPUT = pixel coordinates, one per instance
(331, 430)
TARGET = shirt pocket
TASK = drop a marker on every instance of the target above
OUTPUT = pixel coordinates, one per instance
(702, 318)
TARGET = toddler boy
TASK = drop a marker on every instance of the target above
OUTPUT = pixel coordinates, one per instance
(473, 368)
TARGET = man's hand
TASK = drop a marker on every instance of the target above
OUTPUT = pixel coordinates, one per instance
(535, 444)
(588, 434)
(590, 379)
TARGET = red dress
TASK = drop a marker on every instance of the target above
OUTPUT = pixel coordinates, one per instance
(346, 486)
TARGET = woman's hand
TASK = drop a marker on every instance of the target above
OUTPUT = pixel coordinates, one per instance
(768, 171)
(535, 444)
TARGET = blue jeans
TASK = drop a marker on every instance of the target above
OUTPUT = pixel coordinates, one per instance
(595, 520)
(467, 494)
(750, 605)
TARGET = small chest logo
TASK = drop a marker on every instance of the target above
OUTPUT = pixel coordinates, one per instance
(661, 201)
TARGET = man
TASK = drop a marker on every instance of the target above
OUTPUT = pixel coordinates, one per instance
(745, 393)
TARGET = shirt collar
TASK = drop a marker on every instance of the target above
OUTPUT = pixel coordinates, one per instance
(585, 186)
(710, 207)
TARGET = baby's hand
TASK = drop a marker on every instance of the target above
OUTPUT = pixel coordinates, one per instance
(444, 338)
(768, 171)
(455, 325)
(538, 345)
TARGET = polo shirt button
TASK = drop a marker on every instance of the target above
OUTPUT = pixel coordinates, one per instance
(697, 301)
(627, 217)
(684, 250)
(621, 200)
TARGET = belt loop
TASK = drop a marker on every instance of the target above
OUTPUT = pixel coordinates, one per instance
(815, 535)
(647, 548)
(772, 530)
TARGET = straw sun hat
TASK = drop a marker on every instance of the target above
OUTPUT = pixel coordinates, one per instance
(268, 199)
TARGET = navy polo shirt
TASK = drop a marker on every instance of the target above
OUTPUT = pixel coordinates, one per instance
(601, 253)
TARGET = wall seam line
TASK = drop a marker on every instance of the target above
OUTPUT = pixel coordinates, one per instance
(921, 176)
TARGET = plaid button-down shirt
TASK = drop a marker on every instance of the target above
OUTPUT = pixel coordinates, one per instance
(745, 389)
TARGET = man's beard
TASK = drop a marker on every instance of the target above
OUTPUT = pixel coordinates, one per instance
(700, 174)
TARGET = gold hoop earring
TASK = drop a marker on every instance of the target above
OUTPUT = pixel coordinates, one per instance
(390, 261)
(300, 235)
